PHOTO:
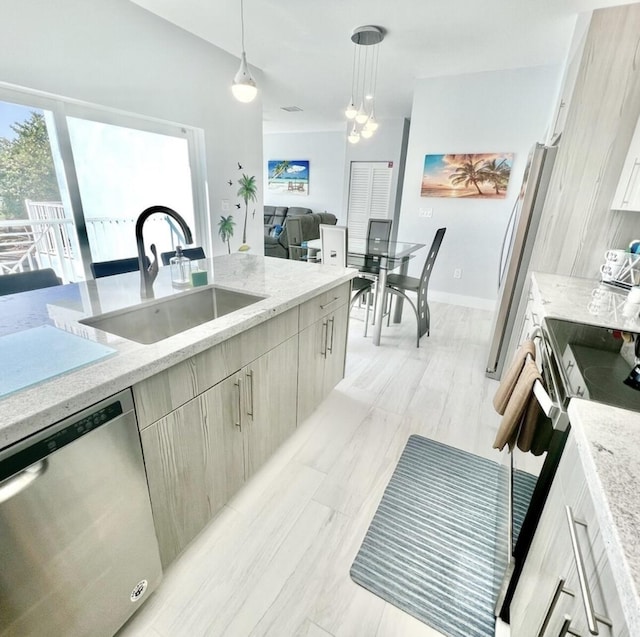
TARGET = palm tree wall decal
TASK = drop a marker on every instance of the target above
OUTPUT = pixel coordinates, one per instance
(225, 230)
(248, 192)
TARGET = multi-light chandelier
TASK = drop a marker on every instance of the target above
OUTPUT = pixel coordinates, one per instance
(363, 82)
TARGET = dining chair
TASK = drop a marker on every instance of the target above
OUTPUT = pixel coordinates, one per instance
(400, 284)
(378, 234)
(26, 281)
(191, 253)
(101, 269)
(294, 238)
(333, 241)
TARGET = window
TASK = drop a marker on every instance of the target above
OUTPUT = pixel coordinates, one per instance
(74, 178)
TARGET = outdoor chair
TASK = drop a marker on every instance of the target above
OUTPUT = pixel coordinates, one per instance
(191, 253)
(101, 269)
(26, 281)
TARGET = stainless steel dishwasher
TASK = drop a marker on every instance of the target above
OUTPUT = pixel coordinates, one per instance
(78, 551)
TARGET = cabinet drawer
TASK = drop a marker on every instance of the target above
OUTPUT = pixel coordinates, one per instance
(323, 304)
(160, 394)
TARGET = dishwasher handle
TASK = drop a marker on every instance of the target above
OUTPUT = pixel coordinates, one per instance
(19, 482)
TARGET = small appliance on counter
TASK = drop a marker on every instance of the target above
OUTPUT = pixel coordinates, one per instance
(78, 547)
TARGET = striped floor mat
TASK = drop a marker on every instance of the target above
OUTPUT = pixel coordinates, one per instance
(431, 548)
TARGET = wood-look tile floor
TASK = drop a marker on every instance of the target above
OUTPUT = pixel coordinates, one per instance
(276, 560)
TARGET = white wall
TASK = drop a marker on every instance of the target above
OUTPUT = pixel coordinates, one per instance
(330, 157)
(325, 152)
(501, 111)
(116, 54)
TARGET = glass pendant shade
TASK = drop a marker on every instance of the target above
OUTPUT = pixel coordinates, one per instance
(361, 116)
(365, 133)
(351, 111)
(244, 87)
(372, 123)
(354, 136)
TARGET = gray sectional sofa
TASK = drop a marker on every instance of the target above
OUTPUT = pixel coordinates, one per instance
(279, 246)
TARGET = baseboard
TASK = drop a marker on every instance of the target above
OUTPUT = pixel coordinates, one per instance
(458, 299)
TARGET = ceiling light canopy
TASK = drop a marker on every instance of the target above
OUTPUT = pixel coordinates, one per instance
(244, 88)
(363, 81)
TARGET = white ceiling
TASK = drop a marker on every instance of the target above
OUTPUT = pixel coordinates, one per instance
(304, 50)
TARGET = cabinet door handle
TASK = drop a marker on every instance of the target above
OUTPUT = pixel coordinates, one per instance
(323, 347)
(566, 628)
(557, 591)
(238, 422)
(332, 321)
(250, 377)
(592, 617)
(625, 197)
(326, 305)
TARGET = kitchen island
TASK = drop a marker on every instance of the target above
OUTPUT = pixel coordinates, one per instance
(285, 284)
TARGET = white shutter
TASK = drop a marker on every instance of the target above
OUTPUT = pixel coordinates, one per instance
(369, 195)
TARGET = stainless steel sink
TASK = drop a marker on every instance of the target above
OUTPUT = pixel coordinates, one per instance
(156, 320)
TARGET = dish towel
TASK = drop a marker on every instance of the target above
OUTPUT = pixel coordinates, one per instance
(509, 380)
(515, 401)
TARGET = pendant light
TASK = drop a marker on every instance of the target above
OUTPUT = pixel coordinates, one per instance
(363, 82)
(351, 110)
(244, 88)
(354, 135)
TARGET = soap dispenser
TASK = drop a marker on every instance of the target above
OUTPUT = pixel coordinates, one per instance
(180, 270)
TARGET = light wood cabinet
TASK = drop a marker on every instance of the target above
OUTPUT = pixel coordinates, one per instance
(627, 195)
(210, 422)
(200, 454)
(321, 358)
(269, 401)
(549, 598)
(162, 393)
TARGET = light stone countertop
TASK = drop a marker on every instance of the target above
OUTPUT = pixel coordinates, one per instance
(285, 283)
(608, 441)
(608, 438)
(584, 301)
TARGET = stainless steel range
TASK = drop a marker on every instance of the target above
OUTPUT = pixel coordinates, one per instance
(577, 361)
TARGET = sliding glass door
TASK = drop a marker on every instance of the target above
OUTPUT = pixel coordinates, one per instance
(37, 230)
(86, 175)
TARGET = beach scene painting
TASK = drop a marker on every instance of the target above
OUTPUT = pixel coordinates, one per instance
(290, 177)
(482, 176)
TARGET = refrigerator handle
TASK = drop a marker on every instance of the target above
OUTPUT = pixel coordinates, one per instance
(504, 242)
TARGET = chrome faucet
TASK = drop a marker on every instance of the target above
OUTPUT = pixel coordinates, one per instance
(148, 274)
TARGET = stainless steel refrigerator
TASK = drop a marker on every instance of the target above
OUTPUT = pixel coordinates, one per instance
(517, 247)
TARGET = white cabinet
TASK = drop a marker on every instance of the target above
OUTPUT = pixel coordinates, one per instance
(550, 596)
(627, 195)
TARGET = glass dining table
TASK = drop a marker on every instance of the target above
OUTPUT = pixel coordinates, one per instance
(377, 258)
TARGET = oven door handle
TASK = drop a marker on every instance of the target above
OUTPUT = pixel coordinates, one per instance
(544, 400)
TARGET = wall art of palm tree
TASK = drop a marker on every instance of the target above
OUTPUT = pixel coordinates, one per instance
(484, 175)
(288, 176)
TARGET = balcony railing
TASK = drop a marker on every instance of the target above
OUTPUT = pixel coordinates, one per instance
(48, 239)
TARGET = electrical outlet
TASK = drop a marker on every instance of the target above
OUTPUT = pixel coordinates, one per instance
(425, 212)
(429, 213)
(225, 204)
(457, 273)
